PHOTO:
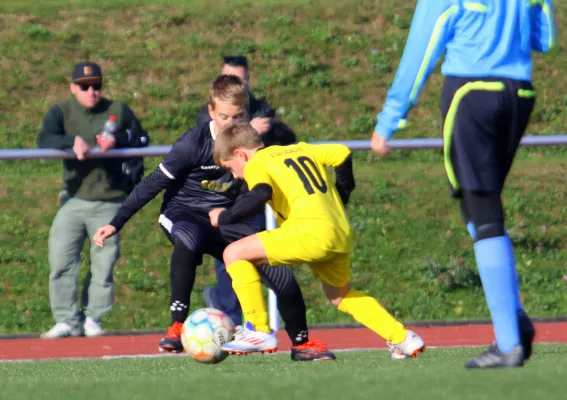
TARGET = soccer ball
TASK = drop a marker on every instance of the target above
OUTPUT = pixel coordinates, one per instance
(203, 334)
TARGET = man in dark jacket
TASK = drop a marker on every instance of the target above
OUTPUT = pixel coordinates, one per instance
(94, 189)
(262, 117)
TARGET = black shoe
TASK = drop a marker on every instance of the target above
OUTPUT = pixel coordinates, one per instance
(311, 350)
(494, 358)
(527, 332)
(171, 342)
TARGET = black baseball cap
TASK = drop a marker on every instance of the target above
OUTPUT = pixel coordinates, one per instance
(87, 72)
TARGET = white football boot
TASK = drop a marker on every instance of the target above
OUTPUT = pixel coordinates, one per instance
(247, 340)
(411, 346)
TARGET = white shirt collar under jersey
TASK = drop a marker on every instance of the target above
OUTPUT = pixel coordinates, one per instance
(212, 128)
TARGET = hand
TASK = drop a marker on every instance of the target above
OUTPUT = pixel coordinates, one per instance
(103, 233)
(261, 125)
(106, 144)
(214, 216)
(81, 148)
(379, 144)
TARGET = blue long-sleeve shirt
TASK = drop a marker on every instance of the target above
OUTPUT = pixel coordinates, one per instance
(479, 38)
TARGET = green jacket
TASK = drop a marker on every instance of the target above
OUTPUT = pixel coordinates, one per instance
(95, 179)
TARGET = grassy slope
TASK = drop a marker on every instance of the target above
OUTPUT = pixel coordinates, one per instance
(327, 65)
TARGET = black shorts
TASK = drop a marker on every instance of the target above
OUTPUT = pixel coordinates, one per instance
(194, 229)
(483, 123)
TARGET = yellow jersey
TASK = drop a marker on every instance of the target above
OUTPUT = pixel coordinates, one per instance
(303, 192)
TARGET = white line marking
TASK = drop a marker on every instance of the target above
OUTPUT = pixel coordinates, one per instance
(161, 355)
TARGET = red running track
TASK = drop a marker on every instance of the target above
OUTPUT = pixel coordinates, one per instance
(340, 338)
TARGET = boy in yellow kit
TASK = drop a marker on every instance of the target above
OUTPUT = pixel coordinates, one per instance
(313, 230)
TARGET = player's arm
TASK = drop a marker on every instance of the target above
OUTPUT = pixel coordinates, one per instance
(254, 200)
(174, 165)
(544, 31)
(339, 157)
(430, 30)
(248, 204)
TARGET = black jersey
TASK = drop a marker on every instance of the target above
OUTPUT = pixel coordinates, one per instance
(190, 176)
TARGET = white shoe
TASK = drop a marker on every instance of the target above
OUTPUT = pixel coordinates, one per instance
(410, 347)
(247, 340)
(92, 328)
(61, 330)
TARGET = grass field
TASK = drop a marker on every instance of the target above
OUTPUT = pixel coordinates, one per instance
(327, 66)
(437, 374)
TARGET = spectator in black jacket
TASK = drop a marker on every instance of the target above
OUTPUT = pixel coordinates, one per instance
(262, 117)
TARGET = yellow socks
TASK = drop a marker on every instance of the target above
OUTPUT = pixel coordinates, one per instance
(371, 314)
(247, 286)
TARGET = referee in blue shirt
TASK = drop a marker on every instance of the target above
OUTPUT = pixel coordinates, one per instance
(486, 102)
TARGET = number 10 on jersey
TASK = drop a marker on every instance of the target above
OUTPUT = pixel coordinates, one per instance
(308, 173)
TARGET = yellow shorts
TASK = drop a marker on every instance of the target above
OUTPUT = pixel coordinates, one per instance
(290, 244)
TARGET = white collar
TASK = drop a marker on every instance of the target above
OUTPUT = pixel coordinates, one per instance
(212, 128)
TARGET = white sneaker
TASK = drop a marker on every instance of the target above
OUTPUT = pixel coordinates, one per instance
(247, 340)
(61, 330)
(92, 328)
(410, 347)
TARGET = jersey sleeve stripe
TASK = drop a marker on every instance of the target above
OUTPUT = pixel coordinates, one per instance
(166, 172)
(433, 43)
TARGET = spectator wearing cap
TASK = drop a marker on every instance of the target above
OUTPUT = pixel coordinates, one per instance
(94, 189)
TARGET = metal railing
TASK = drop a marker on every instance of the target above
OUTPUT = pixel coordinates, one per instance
(354, 145)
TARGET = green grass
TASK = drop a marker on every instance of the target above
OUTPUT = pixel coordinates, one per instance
(355, 375)
(327, 67)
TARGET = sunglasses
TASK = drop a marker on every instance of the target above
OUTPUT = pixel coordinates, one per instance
(85, 86)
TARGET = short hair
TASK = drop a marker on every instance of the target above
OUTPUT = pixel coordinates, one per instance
(235, 61)
(234, 136)
(229, 89)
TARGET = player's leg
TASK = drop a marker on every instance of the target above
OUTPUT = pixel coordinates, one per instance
(187, 237)
(222, 296)
(241, 258)
(292, 310)
(277, 247)
(291, 305)
(334, 274)
(476, 135)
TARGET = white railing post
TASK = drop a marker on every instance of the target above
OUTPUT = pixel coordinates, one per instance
(272, 299)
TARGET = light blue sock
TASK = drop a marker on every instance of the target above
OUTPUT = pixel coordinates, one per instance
(472, 230)
(518, 301)
(496, 266)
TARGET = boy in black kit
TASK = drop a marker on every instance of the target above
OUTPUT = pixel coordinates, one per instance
(194, 186)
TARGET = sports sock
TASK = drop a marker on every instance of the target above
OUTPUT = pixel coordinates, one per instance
(371, 314)
(496, 266)
(246, 284)
(182, 271)
(517, 300)
(291, 305)
(472, 230)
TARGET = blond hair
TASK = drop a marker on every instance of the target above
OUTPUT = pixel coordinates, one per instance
(228, 89)
(238, 135)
